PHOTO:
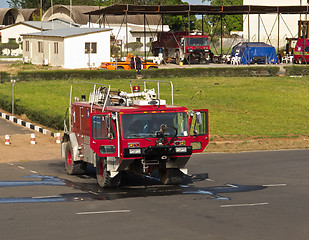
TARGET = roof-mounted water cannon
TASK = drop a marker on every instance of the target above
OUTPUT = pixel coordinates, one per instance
(146, 97)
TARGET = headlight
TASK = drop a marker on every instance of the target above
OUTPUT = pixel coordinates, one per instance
(135, 151)
(180, 149)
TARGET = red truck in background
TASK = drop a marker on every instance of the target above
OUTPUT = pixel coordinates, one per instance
(301, 51)
(133, 131)
(182, 47)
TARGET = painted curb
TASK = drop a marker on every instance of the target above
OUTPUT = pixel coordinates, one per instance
(27, 124)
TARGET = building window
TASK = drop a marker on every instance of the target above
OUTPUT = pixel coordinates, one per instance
(55, 48)
(90, 47)
(138, 39)
(40, 47)
(27, 46)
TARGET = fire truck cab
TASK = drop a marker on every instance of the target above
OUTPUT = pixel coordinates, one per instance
(181, 46)
(135, 132)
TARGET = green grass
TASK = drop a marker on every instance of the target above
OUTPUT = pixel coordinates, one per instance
(243, 107)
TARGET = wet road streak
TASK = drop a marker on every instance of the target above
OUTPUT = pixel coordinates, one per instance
(93, 192)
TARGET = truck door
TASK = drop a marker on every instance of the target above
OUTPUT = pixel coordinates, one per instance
(103, 135)
(199, 130)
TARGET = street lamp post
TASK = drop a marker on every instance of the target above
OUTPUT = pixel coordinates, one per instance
(13, 81)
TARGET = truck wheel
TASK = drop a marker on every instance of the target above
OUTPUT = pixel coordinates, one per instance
(71, 167)
(171, 176)
(120, 68)
(103, 176)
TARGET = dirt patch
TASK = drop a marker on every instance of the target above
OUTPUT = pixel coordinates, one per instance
(21, 149)
(265, 144)
(14, 68)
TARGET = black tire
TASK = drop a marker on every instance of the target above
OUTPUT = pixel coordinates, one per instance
(71, 167)
(120, 68)
(171, 176)
(103, 176)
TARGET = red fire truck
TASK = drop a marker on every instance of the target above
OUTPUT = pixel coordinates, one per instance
(135, 132)
(301, 51)
(181, 46)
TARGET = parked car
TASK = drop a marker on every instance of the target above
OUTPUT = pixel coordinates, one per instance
(125, 65)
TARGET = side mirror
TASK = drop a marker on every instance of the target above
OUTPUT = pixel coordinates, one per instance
(199, 120)
(108, 127)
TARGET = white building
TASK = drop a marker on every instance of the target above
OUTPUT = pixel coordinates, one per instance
(266, 29)
(117, 23)
(14, 31)
(135, 33)
(68, 47)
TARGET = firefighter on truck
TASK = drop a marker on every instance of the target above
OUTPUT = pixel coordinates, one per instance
(133, 131)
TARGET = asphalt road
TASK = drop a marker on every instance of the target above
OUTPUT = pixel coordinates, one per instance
(267, 198)
(8, 128)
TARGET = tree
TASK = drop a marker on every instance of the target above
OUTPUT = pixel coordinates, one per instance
(230, 22)
(134, 45)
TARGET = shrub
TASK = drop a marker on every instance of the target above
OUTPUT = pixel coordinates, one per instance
(148, 74)
(4, 77)
(296, 70)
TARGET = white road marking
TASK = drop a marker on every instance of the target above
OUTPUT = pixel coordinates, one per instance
(103, 212)
(231, 185)
(46, 197)
(33, 172)
(93, 193)
(244, 205)
(21, 167)
(11, 164)
(275, 185)
(210, 180)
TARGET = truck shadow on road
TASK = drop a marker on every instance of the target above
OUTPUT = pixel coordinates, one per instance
(91, 191)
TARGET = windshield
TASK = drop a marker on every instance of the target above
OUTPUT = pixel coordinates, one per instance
(197, 41)
(148, 124)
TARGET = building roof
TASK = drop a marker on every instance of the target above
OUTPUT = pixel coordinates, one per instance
(136, 29)
(29, 12)
(17, 16)
(67, 32)
(42, 25)
(77, 15)
(71, 13)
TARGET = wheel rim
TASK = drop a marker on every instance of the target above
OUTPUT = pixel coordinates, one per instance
(101, 169)
(69, 158)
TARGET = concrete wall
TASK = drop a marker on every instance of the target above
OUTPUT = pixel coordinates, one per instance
(71, 50)
(74, 50)
(48, 56)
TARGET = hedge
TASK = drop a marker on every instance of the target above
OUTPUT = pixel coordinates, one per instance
(43, 117)
(149, 74)
(297, 70)
(4, 77)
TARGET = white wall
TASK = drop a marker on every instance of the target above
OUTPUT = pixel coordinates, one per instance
(15, 32)
(74, 50)
(119, 31)
(269, 23)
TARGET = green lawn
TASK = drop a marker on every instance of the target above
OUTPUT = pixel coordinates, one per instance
(240, 107)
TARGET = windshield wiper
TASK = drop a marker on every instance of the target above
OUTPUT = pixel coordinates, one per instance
(140, 136)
